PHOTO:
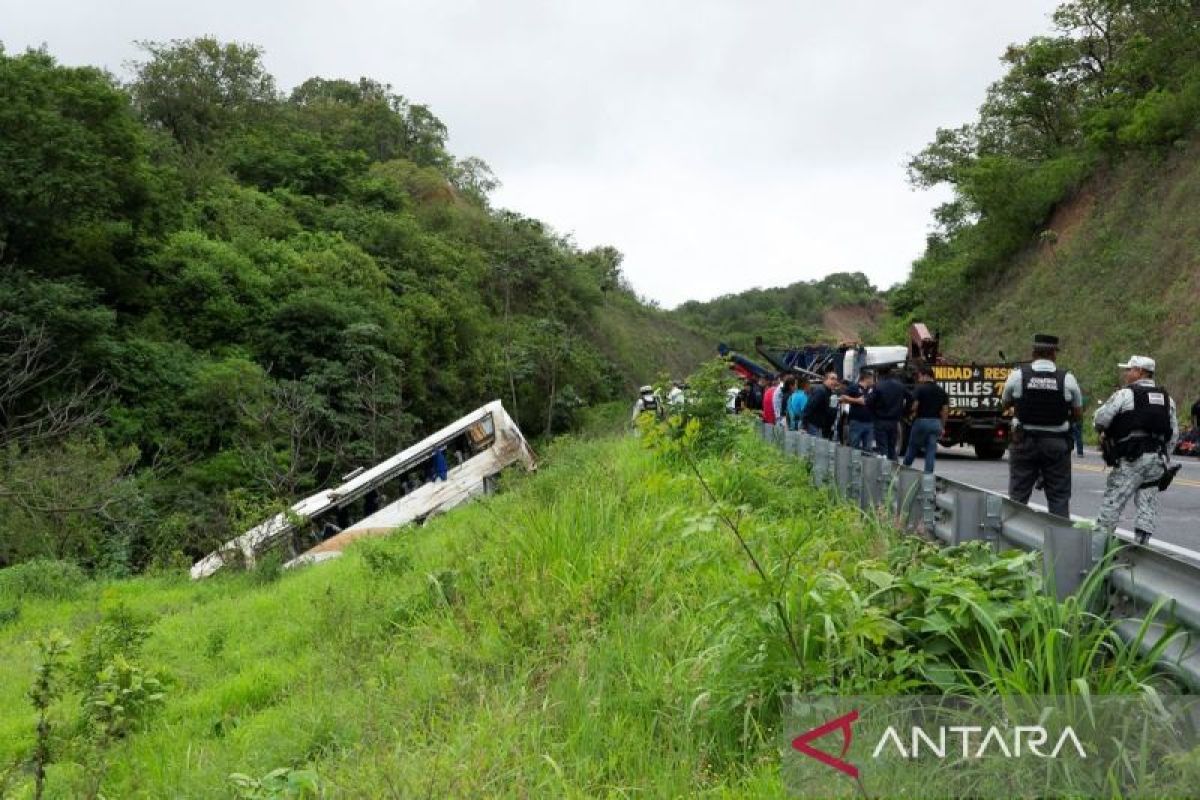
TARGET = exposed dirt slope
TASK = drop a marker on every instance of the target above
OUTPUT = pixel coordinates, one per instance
(1117, 271)
(851, 323)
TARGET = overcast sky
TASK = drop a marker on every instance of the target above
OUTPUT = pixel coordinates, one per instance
(718, 145)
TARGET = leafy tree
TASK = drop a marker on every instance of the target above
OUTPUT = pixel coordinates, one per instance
(1114, 74)
(197, 88)
(270, 290)
(75, 182)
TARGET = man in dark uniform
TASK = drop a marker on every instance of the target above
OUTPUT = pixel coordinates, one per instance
(1047, 401)
(888, 402)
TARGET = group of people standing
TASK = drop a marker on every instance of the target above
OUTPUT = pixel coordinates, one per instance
(873, 407)
(1138, 426)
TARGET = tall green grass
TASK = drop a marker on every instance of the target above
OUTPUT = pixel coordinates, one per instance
(593, 630)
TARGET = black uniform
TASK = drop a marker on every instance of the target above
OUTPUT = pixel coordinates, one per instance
(1042, 453)
(818, 412)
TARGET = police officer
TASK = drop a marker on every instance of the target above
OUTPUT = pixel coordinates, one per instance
(1138, 426)
(1047, 400)
(647, 403)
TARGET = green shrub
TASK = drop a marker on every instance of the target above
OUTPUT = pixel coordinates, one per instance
(42, 578)
(121, 632)
(277, 784)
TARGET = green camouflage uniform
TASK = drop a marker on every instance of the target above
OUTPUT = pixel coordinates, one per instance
(1125, 481)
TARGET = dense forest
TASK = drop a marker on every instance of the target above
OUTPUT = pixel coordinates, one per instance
(790, 314)
(215, 295)
(1114, 78)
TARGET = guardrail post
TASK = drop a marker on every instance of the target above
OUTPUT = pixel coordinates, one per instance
(928, 502)
(1067, 555)
(855, 487)
(841, 468)
(830, 458)
(806, 446)
(887, 480)
(820, 462)
(968, 516)
(791, 443)
(992, 522)
(907, 485)
(1099, 542)
(870, 485)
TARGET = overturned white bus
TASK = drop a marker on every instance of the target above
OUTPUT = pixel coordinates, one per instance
(439, 472)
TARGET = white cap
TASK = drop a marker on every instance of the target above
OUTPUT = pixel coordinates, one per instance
(646, 389)
(1139, 362)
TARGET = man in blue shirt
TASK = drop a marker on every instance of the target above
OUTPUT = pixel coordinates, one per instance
(796, 403)
(862, 421)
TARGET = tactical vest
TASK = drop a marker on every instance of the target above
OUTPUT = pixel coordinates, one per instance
(1042, 401)
(649, 403)
(1150, 417)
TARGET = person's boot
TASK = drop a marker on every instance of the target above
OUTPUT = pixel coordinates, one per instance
(1142, 537)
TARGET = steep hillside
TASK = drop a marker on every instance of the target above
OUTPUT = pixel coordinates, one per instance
(848, 323)
(1074, 198)
(592, 630)
(837, 307)
(1116, 271)
(646, 342)
(216, 297)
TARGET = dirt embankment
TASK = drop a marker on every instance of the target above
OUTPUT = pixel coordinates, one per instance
(851, 323)
(1115, 271)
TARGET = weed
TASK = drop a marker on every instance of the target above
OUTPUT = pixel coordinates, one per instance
(277, 784)
(268, 568)
(214, 643)
(47, 688)
(383, 558)
(42, 579)
(121, 632)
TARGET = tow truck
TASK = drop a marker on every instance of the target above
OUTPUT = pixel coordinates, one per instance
(977, 417)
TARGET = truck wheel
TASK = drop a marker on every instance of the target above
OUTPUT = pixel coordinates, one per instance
(989, 451)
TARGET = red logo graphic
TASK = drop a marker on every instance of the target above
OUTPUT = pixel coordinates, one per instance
(843, 724)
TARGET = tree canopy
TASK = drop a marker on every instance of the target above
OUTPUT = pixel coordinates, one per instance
(251, 291)
(1112, 76)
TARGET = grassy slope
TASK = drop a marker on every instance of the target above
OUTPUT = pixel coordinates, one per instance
(645, 342)
(572, 657)
(590, 631)
(1123, 276)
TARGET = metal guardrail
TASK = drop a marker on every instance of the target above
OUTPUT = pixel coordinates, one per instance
(953, 513)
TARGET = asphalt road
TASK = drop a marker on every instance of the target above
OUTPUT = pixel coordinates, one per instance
(1178, 507)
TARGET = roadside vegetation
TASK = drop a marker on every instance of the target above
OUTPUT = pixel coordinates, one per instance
(1112, 80)
(217, 295)
(627, 620)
